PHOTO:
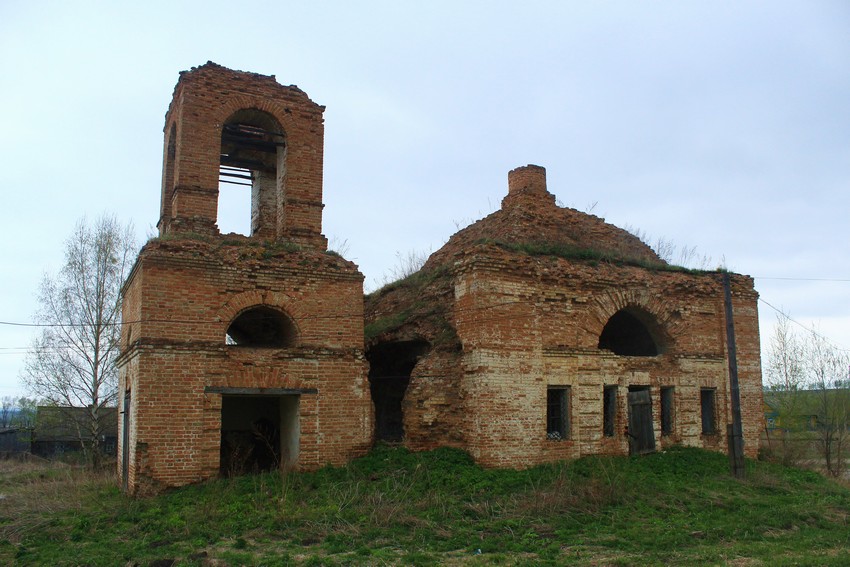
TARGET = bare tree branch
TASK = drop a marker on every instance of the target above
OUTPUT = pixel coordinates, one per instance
(72, 362)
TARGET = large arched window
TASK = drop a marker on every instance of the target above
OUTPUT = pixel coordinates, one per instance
(630, 332)
(252, 155)
(262, 327)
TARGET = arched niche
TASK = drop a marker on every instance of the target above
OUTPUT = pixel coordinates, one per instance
(390, 367)
(262, 327)
(631, 332)
(253, 153)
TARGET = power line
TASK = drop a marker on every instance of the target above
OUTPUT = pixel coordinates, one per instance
(802, 326)
(834, 280)
(24, 350)
(66, 325)
(15, 324)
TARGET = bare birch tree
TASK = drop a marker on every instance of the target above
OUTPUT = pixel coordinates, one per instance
(809, 386)
(26, 412)
(72, 361)
(7, 404)
(828, 369)
(786, 379)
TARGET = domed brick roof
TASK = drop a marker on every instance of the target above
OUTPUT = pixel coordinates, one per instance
(530, 221)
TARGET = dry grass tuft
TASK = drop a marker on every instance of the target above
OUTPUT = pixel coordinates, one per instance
(33, 491)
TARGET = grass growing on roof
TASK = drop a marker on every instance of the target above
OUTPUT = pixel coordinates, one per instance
(589, 255)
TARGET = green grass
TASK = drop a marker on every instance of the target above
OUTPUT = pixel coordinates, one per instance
(417, 306)
(591, 255)
(415, 281)
(396, 507)
(384, 324)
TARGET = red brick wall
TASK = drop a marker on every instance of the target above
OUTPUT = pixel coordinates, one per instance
(528, 325)
(191, 283)
(529, 304)
(185, 294)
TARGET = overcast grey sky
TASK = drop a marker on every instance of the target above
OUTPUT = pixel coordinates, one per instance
(719, 125)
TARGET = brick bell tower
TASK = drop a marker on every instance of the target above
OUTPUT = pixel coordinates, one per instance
(240, 353)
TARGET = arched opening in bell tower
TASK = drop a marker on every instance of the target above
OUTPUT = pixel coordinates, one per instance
(251, 171)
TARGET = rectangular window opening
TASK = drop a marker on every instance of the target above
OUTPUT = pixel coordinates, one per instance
(234, 200)
(558, 413)
(609, 410)
(667, 410)
(707, 407)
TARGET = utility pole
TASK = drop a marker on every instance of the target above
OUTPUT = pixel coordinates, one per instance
(734, 432)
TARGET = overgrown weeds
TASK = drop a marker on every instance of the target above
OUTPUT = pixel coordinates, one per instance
(32, 493)
(395, 507)
(415, 288)
(592, 255)
(384, 324)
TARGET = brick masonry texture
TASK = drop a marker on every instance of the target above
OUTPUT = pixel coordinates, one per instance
(516, 303)
(511, 306)
(191, 283)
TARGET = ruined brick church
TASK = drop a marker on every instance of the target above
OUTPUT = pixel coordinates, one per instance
(536, 334)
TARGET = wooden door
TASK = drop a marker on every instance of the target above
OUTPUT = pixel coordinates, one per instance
(641, 432)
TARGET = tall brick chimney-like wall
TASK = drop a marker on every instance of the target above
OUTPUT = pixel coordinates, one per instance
(527, 187)
(527, 178)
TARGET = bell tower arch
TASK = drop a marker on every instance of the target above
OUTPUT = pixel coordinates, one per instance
(240, 352)
(226, 126)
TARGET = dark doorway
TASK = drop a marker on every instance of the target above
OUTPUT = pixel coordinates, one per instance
(641, 431)
(389, 376)
(125, 443)
(258, 433)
